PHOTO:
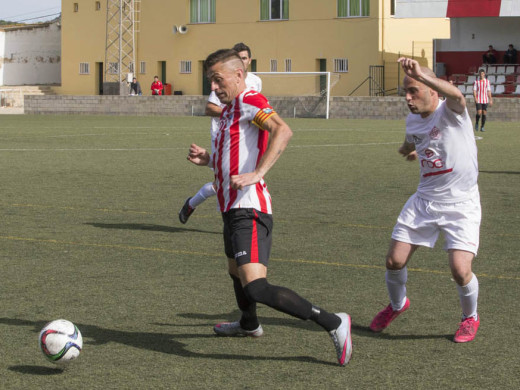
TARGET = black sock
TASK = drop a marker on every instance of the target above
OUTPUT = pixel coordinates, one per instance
(249, 320)
(328, 321)
(287, 301)
(478, 118)
(483, 120)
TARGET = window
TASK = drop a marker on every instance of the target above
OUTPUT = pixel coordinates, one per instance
(274, 65)
(76, 7)
(142, 67)
(202, 11)
(274, 9)
(340, 65)
(185, 67)
(84, 68)
(288, 65)
(353, 8)
(113, 67)
(98, 5)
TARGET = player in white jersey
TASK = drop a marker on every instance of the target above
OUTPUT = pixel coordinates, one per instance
(439, 134)
(214, 109)
(482, 95)
(250, 139)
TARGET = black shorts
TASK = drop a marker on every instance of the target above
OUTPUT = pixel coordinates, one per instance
(482, 106)
(247, 236)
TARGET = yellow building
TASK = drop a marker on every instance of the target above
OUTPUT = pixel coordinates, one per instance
(346, 37)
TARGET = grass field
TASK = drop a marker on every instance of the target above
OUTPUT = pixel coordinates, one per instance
(90, 233)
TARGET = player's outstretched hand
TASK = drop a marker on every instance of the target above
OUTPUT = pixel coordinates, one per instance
(198, 155)
(238, 182)
(411, 67)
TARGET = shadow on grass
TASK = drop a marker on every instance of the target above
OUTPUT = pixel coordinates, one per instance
(149, 227)
(365, 331)
(37, 370)
(157, 342)
(357, 330)
(234, 315)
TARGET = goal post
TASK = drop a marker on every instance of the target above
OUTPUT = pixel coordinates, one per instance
(299, 94)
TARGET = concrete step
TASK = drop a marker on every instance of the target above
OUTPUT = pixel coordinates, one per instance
(12, 96)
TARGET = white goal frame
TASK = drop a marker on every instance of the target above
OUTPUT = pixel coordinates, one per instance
(307, 73)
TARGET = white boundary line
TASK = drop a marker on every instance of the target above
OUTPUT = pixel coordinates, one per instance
(341, 145)
(183, 148)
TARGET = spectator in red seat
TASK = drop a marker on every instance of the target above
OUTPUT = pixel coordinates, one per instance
(510, 55)
(490, 56)
(157, 86)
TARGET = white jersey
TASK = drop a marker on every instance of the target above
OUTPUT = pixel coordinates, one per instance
(238, 147)
(447, 154)
(252, 82)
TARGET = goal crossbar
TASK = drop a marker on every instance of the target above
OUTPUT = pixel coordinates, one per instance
(306, 73)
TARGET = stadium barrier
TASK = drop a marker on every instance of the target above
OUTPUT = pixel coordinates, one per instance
(346, 107)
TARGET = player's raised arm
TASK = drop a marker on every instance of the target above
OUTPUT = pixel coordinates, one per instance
(280, 134)
(454, 98)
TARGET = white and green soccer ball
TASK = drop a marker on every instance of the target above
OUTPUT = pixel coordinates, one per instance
(60, 341)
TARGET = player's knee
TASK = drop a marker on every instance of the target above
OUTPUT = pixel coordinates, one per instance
(393, 263)
(257, 290)
(462, 276)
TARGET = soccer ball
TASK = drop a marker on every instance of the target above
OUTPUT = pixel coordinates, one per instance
(60, 341)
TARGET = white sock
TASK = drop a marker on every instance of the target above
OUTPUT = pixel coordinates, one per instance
(468, 295)
(396, 285)
(205, 192)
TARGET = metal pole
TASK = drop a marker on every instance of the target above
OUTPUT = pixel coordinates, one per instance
(328, 95)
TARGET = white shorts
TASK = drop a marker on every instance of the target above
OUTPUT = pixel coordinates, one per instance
(421, 221)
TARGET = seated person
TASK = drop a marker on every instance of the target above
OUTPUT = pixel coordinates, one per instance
(510, 55)
(135, 87)
(157, 86)
(490, 56)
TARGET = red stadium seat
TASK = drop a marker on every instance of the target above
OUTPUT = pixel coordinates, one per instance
(510, 88)
(462, 78)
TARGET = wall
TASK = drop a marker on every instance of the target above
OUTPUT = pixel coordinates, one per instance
(385, 108)
(312, 32)
(30, 55)
(82, 40)
(410, 37)
(471, 38)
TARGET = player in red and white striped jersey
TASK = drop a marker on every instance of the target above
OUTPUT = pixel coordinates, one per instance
(482, 94)
(241, 158)
(214, 109)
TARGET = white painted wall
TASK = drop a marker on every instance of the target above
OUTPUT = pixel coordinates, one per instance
(476, 34)
(30, 56)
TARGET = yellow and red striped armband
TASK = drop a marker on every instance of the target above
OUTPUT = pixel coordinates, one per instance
(263, 115)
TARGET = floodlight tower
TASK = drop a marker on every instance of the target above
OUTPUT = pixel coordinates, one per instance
(122, 23)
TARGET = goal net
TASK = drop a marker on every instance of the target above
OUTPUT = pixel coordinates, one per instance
(299, 94)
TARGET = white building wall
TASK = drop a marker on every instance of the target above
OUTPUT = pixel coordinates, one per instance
(476, 34)
(30, 56)
(2, 48)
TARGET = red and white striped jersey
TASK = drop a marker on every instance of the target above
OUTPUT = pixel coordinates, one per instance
(238, 147)
(481, 88)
